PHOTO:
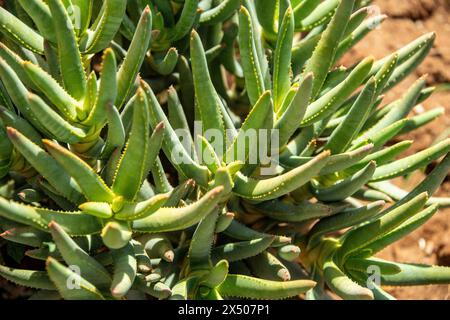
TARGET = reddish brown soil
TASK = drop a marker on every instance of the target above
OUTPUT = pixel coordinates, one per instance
(407, 20)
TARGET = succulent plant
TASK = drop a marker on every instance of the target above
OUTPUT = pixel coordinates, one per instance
(284, 190)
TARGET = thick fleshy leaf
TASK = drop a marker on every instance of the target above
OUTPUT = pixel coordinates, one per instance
(128, 71)
(415, 274)
(72, 70)
(172, 146)
(105, 27)
(201, 243)
(273, 188)
(345, 188)
(46, 166)
(236, 251)
(107, 91)
(324, 54)
(254, 288)
(91, 270)
(94, 188)
(19, 32)
(254, 80)
(345, 219)
(240, 149)
(53, 122)
(40, 13)
(219, 13)
(361, 237)
(141, 210)
(172, 219)
(265, 265)
(74, 223)
(140, 152)
(342, 285)
(27, 278)
(125, 268)
(330, 101)
(239, 231)
(206, 95)
(409, 164)
(288, 121)
(66, 105)
(349, 128)
(282, 59)
(186, 21)
(71, 286)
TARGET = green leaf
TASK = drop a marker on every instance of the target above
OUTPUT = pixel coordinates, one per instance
(363, 265)
(254, 288)
(267, 266)
(74, 223)
(312, 13)
(93, 187)
(91, 270)
(239, 231)
(324, 54)
(403, 230)
(40, 13)
(273, 188)
(289, 119)
(289, 212)
(343, 135)
(208, 101)
(72, 70)
(399, 111)
(240, 149)
(97, 209)
(415, 274)
(46, 166)
(166, 65)
(330, 101)
(200, 248)
(20, 33)
(221, 12)
(345, 219)
(128, 71)
(55, 124)
(172, 219)
(27, 278)
(140, 152)
(61, 276)
(345, 188)
(363, 236)
(115, 139)
(125, 268)
(53, 91)
(172, 147)
(116, 234)
(411, 163)
(186, 21)
(254, 81)
(282, 59)
(105, 27)
(342, 285)
(141, 210)
(18, 93)
(107, 91)
(241, 250)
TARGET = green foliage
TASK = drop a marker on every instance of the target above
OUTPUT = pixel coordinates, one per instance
(118, 195)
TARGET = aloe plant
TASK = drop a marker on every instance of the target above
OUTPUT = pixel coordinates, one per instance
(107, 178)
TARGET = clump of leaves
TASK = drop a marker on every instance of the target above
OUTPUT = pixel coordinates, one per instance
(107, 180)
